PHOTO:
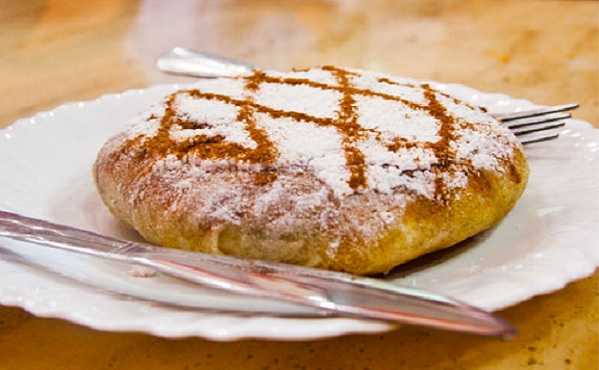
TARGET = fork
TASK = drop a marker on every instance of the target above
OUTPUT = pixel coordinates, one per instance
(530, 126)
(545, 120)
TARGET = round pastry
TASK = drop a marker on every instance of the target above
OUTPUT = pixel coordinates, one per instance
(326, 167)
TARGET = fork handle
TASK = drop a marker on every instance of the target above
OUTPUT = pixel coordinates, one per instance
(182, 61)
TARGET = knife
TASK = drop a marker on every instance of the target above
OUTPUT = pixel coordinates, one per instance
(338, 293)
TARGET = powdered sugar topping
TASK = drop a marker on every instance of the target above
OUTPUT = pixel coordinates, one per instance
(210, 118)
(354, 132)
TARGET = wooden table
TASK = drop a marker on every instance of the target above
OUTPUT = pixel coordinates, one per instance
(547, 51)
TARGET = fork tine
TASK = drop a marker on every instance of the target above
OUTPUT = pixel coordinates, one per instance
(532, 121)
(539, 139)
(536, 112)
(539, 129)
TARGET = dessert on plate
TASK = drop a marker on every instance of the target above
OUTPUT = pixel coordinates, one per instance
(326, 167)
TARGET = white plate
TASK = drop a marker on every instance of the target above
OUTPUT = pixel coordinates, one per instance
(548, 240)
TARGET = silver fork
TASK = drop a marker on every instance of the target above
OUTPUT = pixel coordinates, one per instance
(531, 126)
(527, 124)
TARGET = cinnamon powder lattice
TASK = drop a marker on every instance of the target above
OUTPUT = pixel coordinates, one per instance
(384, 133)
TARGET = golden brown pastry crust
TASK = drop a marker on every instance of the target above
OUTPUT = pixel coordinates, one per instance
(271, 210)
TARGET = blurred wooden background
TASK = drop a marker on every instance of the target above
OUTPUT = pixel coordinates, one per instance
(54, 51)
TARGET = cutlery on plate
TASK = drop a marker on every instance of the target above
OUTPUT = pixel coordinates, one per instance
(338, 293)
(526, 125)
